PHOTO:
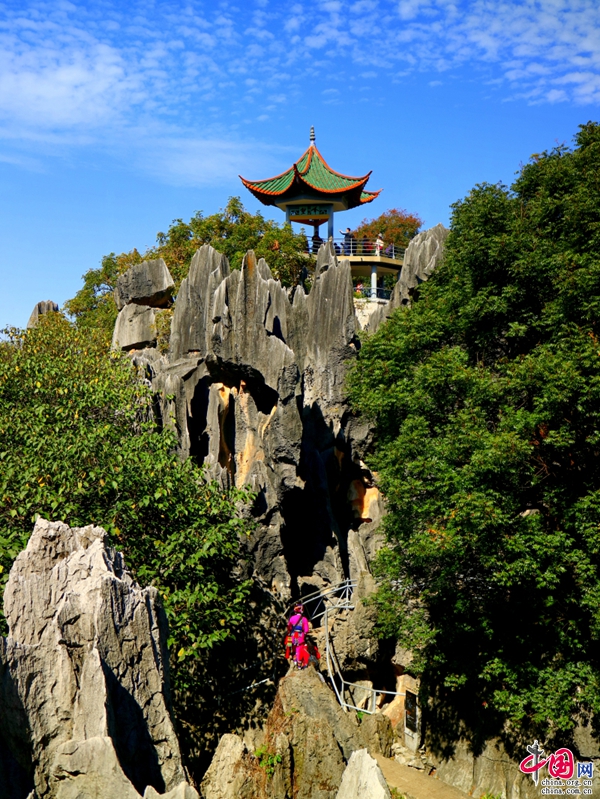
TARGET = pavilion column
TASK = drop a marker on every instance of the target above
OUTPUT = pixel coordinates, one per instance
(373, 281)
(330, 226)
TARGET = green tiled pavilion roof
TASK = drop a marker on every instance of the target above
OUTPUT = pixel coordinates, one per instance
(311, 171)
(368, 196)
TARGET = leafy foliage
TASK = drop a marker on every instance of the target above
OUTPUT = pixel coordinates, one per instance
(486, 400)
(78, 443)
(233, 232)
(396, 225)
(267, 760)
(93, 306)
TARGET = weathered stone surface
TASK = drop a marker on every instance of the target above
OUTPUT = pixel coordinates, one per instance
(421, 258)
(135, 328)
(182, 791)
(422, 255)
(366, 307)
(44, 307)
(259, 398)
(83, 673)
(191, 328)
(363, 778)
(254, 386)
(308, 740)
(250, 329)
(331, 337)
(88, 768)
(586, 739)
(492, 772)
(148, 283)
(230, 773)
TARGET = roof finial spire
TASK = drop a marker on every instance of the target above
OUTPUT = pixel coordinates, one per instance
(312, 135)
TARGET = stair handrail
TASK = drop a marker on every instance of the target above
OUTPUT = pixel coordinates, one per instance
(320, 598)
(343, 593)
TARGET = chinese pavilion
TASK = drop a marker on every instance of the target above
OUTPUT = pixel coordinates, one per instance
(310, 191)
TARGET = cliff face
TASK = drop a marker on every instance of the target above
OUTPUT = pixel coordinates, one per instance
(253, 382)
(84, 691)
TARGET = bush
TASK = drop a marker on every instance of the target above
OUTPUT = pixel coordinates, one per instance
(78, 443)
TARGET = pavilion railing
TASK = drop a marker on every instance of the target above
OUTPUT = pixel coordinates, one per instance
(357, 247)
(366, 292)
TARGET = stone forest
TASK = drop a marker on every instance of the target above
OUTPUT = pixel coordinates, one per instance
(205, 443)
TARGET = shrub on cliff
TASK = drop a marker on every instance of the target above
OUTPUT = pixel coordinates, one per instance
(78, 443)
(486, 400)
(233, 231)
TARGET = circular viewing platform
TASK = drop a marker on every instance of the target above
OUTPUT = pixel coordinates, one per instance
(366, 262)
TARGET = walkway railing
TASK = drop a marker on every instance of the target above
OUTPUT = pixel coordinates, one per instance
(318, 607)
(357, 247)
(367, 293)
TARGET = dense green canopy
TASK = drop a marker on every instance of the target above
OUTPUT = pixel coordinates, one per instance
(78, 443)
(233, 231)
(486, 399)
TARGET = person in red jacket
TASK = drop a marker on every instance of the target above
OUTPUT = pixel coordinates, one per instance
(297, 628)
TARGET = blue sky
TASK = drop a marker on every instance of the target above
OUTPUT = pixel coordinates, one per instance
(116, 118)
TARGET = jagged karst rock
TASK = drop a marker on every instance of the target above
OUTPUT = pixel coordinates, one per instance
(230, 773)
(148, 283)
(363, 778)
(421, 258)
(331, 337)
(254, 386)
(43, 307)
(250, 328)
(353, 637)
(182, 791)
(135, 328)
(191, 328)
(83, 675)
(423, 254)
(308, 740)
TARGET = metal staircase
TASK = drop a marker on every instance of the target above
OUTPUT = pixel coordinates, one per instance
(321, 606)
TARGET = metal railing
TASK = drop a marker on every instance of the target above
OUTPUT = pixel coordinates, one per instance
(318, 602)
(318, 606)
(368, 293)
(357, 247)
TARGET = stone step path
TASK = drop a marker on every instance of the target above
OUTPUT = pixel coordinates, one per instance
(414, 784)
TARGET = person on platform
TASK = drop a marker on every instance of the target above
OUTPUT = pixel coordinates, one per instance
(348, 241)
(379, 243)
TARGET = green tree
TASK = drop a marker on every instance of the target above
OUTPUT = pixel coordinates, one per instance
(486, 400)
(93, 306)
(78, 443)
(233, 231)
(396, 225)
